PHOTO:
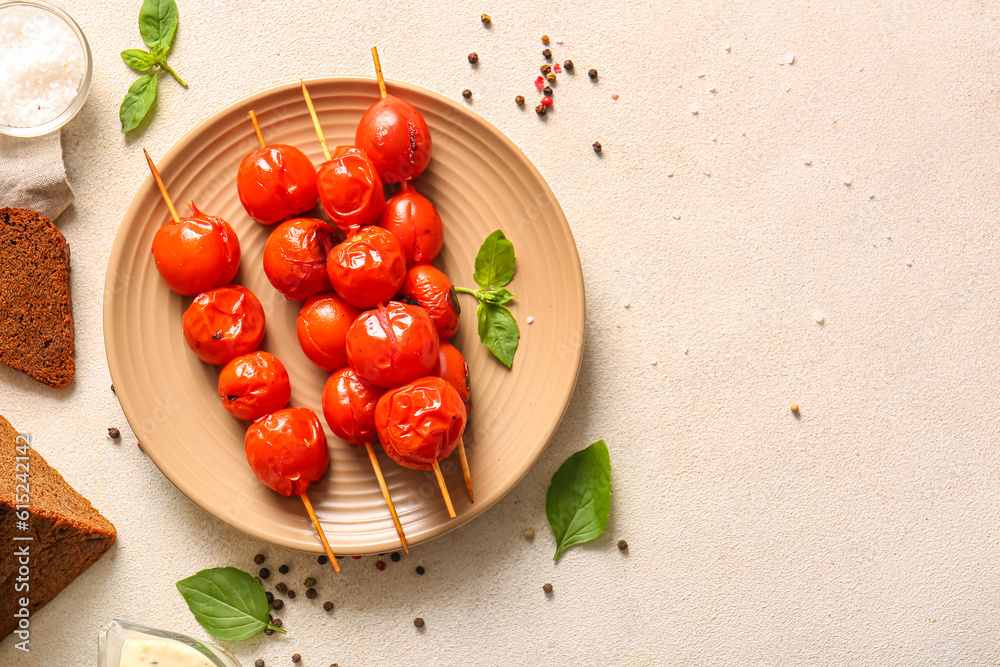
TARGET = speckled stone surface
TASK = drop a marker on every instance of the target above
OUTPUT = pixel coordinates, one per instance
(856, 185)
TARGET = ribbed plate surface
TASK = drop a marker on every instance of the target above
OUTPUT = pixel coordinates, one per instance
(479, 181)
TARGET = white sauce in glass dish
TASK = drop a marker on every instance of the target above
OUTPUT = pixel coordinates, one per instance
(146, 651)
(42, 63)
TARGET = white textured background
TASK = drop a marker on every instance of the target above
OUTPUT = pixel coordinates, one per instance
(863, 533)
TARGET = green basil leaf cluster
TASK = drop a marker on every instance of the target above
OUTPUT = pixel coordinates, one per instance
(578, 501)
(495, 264)
(228, 603)
(158, 26)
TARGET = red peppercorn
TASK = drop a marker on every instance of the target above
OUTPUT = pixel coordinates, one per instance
(557, 68)
(356, 557)
(380, 565)
(547, 101)
(540, 82)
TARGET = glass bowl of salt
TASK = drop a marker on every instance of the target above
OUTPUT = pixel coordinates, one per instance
(45, 68)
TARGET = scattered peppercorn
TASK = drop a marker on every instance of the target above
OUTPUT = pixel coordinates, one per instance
(270, 597)
(380, 565)
(615, 96)
(259, 559)
(547, 588)
(557, 68)
(486, 19)
(529, 533)
(268, 631)
(794, 408)
(551, 76)
(311, 593)
(519, 100)
(568, 65)
(296, 657)
(114, 433)
(276, 622)
(545, 69)
(327, 606)
(545, 39)
(309, 583)
(597, 146)
(264, 573)
(420, 569)
(592, 73)
(473, 57)
(419, 622)
(547, 53)
(395, 556)
(623, 545)
(541, 109)
(323, 560)
(282, 587)
(278, 605)
(547, 90)
(258, 663)
(113, 390)
(466, 93)
(283, 569)
(547, 101)
(356, 557)
(290, 594)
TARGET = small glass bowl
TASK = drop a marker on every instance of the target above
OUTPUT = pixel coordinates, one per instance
(114, 633)
(81, 92)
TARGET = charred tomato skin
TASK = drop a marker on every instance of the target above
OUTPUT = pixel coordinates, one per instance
(295, 257)
(253, 385)
(396, 138)
(420, 422)
(224, 323)
(430, 289)
(287, 450)
(350, 189)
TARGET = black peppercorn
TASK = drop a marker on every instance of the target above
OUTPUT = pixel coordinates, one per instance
(466, 93)
(270, 597)
(276, 622)
(278, 605)
(259, 559)
(519, 100)
(568, 65)
(541, 109)
(622, 544)
(296, 657)
(547, 90)
(547, 588)
(264, 573)
(419, 622)
(395, 556)
(114, 433)
(473, 57)
(290, 594)
(420, 569)
(258, 663)
(282, 587)
(597, 149)
(268, 631)
(545, 69)
(327, 606)
(592, 74)
(283, 569)
(323, 560)
(311, 593)
(547, 53)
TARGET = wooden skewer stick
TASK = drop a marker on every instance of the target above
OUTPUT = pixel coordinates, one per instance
(163, 188)
(319, 529)
(385, 494)
(312, 112)
(256, 129)
(444, 489)
(465, 468)
(378, 73)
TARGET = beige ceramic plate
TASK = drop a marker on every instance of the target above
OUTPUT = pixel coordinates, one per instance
(479, 181)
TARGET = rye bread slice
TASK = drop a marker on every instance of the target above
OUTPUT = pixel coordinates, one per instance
(36, 312)
(68, 534)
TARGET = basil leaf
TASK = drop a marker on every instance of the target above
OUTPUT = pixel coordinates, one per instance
(228, 603)
(158, 23)
(498, 331)
(495, 261)
(578, 501)
(498, 296)
(138, 101)
(139, 60)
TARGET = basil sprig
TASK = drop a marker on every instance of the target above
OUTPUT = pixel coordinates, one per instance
(158, 26)
(578, 501)
(494, 269)
(228, 603)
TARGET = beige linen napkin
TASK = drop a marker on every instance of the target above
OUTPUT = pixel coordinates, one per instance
(33, 176)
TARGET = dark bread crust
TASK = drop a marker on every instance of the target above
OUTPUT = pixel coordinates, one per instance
(36, 311)
(69, 535)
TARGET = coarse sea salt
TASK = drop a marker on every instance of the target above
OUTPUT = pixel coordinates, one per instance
(42, 63)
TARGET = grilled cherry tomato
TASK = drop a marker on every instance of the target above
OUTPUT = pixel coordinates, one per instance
(368, 268)
(413, 220)
(224, 323)
(253, 385)
(196, 254)
(295, 257)
(322, 327)
(349, 406)
(287, 450)
(420, 422)
(395, 136)
(451, 367)
(392, 344)
(430, 289)
(275, 183)
(350, 189)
